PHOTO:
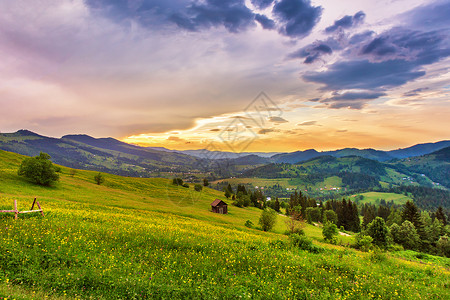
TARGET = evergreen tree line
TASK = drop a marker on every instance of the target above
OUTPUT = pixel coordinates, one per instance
(407, 227)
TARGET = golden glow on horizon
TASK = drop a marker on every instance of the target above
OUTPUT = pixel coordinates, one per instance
(383, 127)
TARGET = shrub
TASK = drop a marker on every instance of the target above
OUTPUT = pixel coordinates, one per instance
(330, 232)
(99, 178)
(268, 219)
(39, 169)
(304, 243)
(198, 187)
(177, 181)
(248, 224)
(185, 185)
(300, 241)
(364, 242)
(295, 224)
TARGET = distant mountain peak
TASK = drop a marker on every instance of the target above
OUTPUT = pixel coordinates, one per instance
(26, 132)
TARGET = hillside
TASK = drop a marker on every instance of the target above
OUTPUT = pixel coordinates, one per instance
(104, 154)
(140, 238)
(435, 165)
(378, 155)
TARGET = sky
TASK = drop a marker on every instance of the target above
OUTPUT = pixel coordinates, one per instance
(231, 75)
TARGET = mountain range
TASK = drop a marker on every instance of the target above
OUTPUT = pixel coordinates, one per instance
(113, 156)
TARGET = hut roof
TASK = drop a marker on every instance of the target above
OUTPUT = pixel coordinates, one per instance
(217, 202)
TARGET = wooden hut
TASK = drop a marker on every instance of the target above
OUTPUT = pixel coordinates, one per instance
(219, 207)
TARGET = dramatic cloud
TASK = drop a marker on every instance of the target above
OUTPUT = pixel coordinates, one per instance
(379, 62)
(355, 96)
(361, 37)
(354, 100)
(312, 52)
(265, 22)
(347, 22)
(391, 59)
(154, 67)
(232, 14)
(262, 4)
(363, 74)
(298, 17)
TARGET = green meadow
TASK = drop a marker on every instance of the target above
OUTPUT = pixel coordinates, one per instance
(375, 198)
(140, 238)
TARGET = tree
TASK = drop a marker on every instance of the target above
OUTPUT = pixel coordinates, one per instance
(411, 213)
(378, 230)
(406, 235)
(39, 169)
(313, 214)
(330, 232)
(99, 178)
(329, 216)
(276, 205)
(440, 215)
(198, 187)
(268, 219)
(295, 223)
(205, 182)
(227, 193)
(394, 217)
(443, 245)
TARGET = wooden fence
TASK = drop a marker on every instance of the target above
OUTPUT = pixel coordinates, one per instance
(17, 212)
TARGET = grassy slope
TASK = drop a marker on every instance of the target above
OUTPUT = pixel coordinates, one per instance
(142, 238)
(374, 197)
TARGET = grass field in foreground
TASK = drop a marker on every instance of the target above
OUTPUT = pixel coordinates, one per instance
(137, 238)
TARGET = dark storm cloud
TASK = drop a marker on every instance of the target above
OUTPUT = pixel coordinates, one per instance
(353, 100)
(363, 74)
(265, 22)
(390, 59)
(376, 63)
(312, 52)
(189, 15)
(146, 12)
(355, 96)
(232, 14)
(361, 37)
(297, 17)
(411, 45)
(347, 22)
(261, 4)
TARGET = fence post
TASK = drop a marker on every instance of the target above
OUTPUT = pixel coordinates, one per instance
(16, 212)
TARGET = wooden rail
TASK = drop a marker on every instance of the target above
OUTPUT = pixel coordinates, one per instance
(17, 212)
